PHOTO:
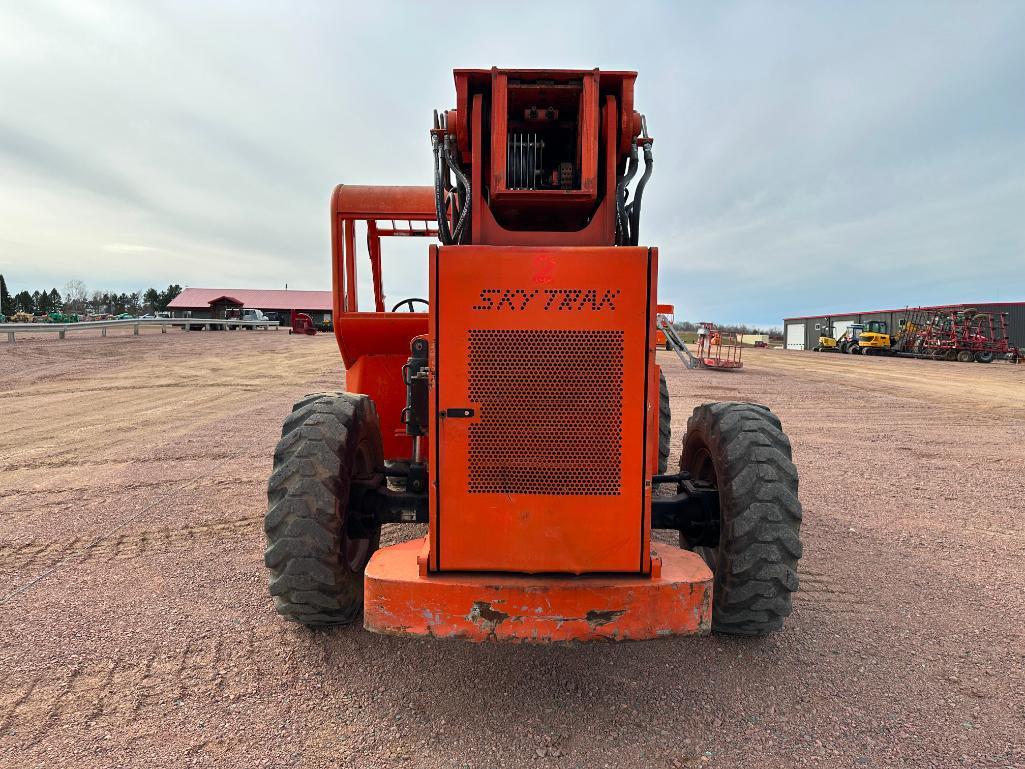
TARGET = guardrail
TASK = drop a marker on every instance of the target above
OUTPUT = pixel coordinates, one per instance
(189, 323)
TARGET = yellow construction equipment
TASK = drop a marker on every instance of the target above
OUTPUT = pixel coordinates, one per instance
(874, 339)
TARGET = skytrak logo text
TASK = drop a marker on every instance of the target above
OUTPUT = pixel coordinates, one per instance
(550, 299)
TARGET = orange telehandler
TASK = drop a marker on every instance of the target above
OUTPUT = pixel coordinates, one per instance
(516, 410)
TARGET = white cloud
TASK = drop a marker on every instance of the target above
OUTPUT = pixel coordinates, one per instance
(128, 248)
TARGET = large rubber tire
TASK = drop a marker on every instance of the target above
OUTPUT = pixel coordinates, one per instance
(854, 349)
(984, 357)
(742, 449)
(965, 356)
(665, 429)
(316, 567)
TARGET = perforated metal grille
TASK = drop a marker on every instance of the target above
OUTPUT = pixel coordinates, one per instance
(551, 406)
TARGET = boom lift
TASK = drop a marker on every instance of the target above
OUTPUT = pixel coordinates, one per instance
(667, 311)
(515, 411)
(717, 349)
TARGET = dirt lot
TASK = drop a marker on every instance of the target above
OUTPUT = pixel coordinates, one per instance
(135, 628)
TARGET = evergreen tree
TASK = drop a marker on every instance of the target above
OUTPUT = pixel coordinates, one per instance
(168, 296)
(56, 304)
(5, 298)
(151, 298)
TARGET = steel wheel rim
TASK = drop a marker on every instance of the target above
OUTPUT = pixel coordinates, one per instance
(703, 469)
(354, 552)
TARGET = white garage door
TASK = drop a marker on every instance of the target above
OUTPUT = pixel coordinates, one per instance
(840, 328)
(795, 336)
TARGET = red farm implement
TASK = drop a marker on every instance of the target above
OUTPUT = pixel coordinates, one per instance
(301, 323)
(960, 334)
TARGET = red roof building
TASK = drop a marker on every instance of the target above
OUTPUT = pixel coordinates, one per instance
(205, 302)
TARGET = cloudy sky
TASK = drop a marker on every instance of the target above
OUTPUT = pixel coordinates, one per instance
(809, 156)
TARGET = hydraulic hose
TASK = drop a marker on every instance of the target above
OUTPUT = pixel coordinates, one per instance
(620, 223)
(635, 207)
(622, 220)
(464, 185)
(444, 235)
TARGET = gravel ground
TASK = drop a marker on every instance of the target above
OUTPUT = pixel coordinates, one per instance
(131, 496)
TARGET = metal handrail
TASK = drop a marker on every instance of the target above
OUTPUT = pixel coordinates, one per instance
(63, 328)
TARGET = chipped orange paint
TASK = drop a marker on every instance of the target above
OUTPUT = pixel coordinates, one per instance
(402, 600)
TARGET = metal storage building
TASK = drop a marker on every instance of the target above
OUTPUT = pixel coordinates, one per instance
(799, 332)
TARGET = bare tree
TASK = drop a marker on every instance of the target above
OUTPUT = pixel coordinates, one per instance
(97, 303)
(75, 294)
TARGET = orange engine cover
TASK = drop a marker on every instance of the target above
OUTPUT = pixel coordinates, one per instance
(541, 420)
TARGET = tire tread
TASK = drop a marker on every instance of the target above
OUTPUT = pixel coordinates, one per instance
(307, 491)
(665, 428)
(760, 514)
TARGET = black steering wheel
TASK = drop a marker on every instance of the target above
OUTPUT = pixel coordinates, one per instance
(410, 302)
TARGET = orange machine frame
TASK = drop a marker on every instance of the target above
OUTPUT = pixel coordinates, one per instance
(539, 562)
(608, 125)
(375, 345)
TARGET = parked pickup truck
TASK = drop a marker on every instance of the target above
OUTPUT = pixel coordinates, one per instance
(246, 314)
